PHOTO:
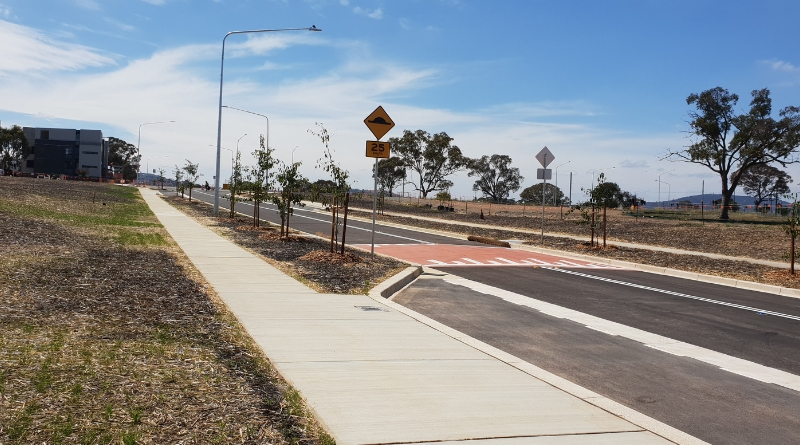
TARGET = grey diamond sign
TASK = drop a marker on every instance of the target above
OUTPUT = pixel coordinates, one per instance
(545, 157)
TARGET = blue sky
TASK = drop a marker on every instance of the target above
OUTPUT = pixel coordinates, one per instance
(601, 83)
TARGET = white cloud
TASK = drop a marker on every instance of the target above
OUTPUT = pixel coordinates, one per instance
(344, 2)
(403, 22)
(156, 2)
(780, 65)
(634, 164)
(26, 50)
(168, 86)
(376, 14)
(5, 12)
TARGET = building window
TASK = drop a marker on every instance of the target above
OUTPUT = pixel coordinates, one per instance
(45, 134)
(29, 163)
(89, 152)
(88, 166)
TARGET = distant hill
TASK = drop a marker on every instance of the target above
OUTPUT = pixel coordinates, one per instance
(708, 198)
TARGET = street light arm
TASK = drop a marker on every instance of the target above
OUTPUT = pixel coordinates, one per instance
(219, 119)
(257, 114)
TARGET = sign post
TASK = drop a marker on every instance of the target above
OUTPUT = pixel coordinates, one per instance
(545, 157)
(379, 123)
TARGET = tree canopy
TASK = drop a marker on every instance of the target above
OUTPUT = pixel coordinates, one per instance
(496, 178)
(14, 147)
(123, 154)
(390, 172)
(533, 195)
(432, 158)
(729, 144)
(763, 181)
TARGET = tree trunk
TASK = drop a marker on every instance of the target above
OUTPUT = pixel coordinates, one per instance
(333, 223)
(726, 198)
(344, 224)
(591, 243)
(604, 227)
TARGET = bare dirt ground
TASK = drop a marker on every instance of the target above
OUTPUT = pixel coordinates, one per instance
(743, 240)
(108, 334)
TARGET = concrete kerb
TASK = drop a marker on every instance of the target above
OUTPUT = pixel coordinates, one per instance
(659, 428)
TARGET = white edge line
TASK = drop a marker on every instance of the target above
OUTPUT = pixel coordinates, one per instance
(648, 423)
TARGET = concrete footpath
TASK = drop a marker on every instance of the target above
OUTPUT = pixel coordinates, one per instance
(374, 373)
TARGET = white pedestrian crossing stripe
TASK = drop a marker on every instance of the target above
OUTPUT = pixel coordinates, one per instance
(500, 261)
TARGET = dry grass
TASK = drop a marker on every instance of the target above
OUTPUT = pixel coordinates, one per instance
(745, 239)
(108, 335)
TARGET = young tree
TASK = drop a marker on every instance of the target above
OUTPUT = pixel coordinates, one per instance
(496, 178)
(161, 178)
(339, 177)
(764, 181)
(260, 178)
(179, 186)
(192, 176)
(14, 147)
(533, 194)
(290, 182)
(730, 144)
(235, 185)
(390, 172)
(433, 158)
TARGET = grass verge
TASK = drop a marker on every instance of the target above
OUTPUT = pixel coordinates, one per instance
(109, 335)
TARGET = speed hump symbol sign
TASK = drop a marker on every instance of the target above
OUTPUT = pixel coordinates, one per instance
(379, 123)
(378, 149)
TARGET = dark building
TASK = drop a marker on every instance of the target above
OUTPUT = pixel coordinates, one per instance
(60, 151)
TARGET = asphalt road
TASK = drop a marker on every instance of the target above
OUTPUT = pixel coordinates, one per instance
(358, 232)
(703, 400)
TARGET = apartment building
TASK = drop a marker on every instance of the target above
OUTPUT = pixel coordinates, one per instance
(69, 152)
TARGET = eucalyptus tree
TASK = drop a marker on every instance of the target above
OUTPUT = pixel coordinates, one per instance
(730, 144)
(192, 175)
(496, 178)
(432, 157)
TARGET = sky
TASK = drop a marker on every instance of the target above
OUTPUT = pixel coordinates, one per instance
(602, 84)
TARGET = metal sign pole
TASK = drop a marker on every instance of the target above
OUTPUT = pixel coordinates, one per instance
(544, 185)
(374, 206)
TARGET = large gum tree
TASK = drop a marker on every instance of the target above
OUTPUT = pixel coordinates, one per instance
(729, 143)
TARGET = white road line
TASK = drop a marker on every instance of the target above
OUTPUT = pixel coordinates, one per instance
(724, 362)
(678, 294)
(472, 261)
(507, 261)
(538, 262)
(438, 263)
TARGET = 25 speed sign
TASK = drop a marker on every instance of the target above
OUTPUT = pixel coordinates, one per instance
(378, 149)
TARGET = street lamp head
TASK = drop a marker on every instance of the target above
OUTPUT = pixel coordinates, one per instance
(314, 28)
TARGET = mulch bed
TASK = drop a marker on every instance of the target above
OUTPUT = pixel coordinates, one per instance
(304, 257)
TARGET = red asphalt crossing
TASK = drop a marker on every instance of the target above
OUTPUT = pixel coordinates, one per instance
(448, 255)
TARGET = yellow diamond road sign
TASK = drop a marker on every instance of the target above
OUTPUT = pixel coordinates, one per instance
(379, 123)
(378, 149)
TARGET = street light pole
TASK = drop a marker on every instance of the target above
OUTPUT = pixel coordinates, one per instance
(139, 144)
(556, 192)
(661, 203)
(257, 114)
(219, 119)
